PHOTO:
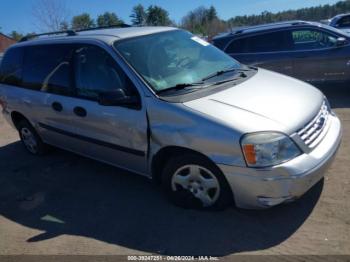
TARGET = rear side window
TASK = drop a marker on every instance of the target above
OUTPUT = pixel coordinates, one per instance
(269, 42)
(344, 22)
(11, 67)
(47, 68)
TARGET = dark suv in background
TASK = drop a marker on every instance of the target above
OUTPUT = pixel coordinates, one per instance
(341, 22)
(309, 51)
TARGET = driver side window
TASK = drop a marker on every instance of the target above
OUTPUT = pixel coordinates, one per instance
(97, 72)
(307, 39)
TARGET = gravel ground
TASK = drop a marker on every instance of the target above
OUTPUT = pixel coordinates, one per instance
(66, 204)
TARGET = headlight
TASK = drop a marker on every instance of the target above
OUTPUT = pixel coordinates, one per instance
(268, 149)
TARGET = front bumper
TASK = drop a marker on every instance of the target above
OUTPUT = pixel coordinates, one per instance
(257, 188)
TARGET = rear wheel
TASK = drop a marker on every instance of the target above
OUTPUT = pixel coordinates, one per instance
(192, 181)
(30, 139)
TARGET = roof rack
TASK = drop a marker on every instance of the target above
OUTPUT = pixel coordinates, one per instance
(294, 22)
(71, 32)
(299, 23)
(30, 36)
(104, 27)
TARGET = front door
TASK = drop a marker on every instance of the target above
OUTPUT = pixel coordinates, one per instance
(114, 134)
(317, 58)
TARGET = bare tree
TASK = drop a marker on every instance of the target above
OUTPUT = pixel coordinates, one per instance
(204, 21)
(50, 15)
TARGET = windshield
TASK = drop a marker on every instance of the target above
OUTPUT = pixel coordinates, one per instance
(171, 58)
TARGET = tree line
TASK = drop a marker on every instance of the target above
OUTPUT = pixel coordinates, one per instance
(152, 16)
(52, 15)
(317, 13)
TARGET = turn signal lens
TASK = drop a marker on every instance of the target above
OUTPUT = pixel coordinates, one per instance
(249, 153)
(263, 149)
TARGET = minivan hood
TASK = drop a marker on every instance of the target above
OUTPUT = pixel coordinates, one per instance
(266, 101)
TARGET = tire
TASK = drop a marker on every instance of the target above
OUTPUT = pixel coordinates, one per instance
(30, 138)
(192, 181)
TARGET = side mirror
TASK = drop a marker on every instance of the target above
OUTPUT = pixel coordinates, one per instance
(118, 97)
(341, 41)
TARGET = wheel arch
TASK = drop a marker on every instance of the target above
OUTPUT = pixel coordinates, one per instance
(163, 155)
(17, 117)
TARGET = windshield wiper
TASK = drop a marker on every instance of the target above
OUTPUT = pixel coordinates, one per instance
(221, 72)
(230, 79)
(181, 86)
(240, 76)
(218, 73)
(201, 84)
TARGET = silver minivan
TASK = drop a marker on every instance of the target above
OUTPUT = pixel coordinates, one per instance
(163, 103)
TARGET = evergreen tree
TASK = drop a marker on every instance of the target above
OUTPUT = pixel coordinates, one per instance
(108, 19)
(139, 15)
(83, 21)
(157, 16)
(15, 35)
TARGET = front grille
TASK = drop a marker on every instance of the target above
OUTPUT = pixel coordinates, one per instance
(312, 130)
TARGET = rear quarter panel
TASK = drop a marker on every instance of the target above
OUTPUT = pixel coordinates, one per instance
(24, 101)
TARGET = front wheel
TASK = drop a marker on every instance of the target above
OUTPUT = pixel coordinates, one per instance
(192, 181)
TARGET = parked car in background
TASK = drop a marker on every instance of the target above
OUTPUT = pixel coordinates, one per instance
(341, 22)
(325, 21)
(164, 103)
(308, 51)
